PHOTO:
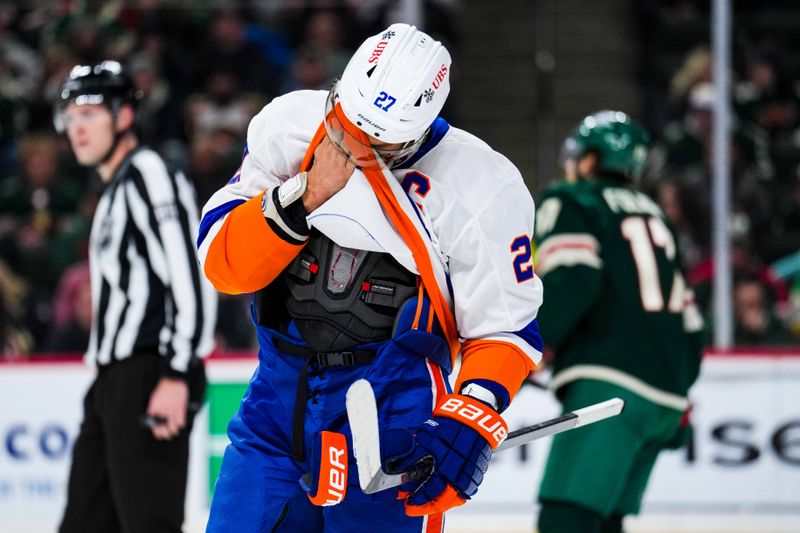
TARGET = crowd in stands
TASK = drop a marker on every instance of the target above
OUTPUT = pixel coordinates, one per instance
(203, 69)
(204, 72)
(764, 157)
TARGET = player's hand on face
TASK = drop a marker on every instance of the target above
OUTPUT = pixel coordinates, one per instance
(328, 174)
(170, 401)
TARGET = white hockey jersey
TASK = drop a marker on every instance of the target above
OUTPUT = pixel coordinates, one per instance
(476, 211)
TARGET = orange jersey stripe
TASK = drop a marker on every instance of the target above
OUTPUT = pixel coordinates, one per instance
(246, 255)
(429, 327)
(434, 523)
(419, 251)
(309, 157)
(498, 361)
(420, 299)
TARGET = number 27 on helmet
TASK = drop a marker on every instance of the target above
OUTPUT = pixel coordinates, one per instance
(391, 91)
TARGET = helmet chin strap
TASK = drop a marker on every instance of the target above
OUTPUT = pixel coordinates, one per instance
(118, 135)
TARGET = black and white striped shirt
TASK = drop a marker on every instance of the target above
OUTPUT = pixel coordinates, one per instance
(148, 293)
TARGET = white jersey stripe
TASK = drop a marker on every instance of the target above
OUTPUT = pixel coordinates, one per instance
(564, 257)
(140, 213)
(111, 320)
(569, 240)
(533, 354)
(617, 377)
(138, 289)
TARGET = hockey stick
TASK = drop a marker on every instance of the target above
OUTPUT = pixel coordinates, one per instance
(362, 412)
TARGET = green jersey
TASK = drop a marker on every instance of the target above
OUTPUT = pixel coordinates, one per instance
(616, 305)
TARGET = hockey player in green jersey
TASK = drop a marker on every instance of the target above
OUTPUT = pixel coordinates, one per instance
(620, 321)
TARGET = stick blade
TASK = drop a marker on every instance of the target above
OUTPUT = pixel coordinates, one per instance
(599, 411)
(577, 418)
(362, 412)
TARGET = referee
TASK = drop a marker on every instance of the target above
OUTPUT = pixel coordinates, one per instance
(153, 318)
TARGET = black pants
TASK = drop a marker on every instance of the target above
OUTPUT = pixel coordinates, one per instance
(122, 479)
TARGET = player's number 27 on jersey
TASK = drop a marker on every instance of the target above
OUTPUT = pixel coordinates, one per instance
(523, 258)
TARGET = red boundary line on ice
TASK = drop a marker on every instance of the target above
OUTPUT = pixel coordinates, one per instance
(248, 355)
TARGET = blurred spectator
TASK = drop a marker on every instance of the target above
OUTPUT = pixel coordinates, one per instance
(58, 60)
(20, 74)
(755, 321)
(11, 114)
(38, 204)
(226, 47)
(783, 235)
(685, 156)
(695, 69)
(217, 125)
(272, 46)
(81, 33)
(15, 341)
(688, 141)
(119, 46)
(42, 230)
(23, 63)
(312, 69)
(322, 57)
(793, 308)
(222, 106)
(676, 11)
(72, 313)
(36, 207)
(766, 97)
(687, 219)
(157, 41)
(440, 17)
(324, 33)
(160, 116)
(745, 265)
(64, 302)
(213, 160)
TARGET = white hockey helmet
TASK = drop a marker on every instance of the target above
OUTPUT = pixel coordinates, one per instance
(394, 86)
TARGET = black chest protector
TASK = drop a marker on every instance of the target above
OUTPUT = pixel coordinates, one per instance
(338, 297)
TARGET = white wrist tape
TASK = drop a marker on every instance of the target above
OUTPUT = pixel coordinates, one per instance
(270, 211)
(481, 393)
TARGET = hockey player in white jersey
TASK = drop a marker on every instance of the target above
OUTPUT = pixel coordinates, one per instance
(379, 242)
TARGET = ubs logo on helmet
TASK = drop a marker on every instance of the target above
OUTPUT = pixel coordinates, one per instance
(376, 53)
(440, 76)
